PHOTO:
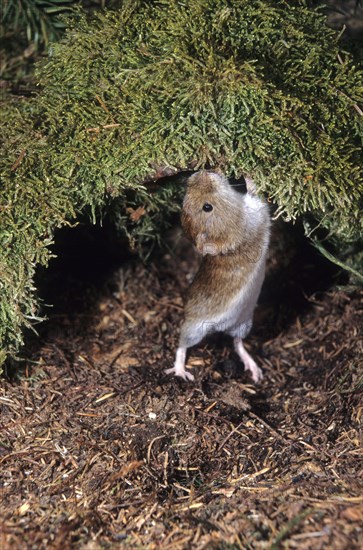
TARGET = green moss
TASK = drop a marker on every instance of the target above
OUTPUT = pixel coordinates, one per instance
(253, 87)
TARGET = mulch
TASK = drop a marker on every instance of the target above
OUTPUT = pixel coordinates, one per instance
(100, 449)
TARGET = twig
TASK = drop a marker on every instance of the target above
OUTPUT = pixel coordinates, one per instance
(272, 430)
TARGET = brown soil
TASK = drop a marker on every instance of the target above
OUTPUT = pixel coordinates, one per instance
(100, 449)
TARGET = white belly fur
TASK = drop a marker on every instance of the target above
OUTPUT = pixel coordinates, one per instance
(236, 320)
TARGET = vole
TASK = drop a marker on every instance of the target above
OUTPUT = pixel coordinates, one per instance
(231, 230)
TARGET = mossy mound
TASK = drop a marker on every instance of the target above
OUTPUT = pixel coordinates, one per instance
(253, 87)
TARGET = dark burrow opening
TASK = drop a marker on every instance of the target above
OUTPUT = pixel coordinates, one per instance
(88, 256)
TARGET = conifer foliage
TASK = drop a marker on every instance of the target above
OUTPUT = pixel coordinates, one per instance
(37, 20)
(253, 87)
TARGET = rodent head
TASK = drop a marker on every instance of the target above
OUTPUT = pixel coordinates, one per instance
(212, 214)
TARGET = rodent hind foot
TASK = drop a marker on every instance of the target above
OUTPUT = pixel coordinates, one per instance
(247, 360)
(255, 371)
(181, 372)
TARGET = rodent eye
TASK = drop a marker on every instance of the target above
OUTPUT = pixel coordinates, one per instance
(207, 207)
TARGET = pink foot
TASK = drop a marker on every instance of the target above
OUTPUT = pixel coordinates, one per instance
(179, 366)
(249, 363)
(254, 369)
(182, 372)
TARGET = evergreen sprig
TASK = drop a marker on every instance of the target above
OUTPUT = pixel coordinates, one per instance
(38, 20)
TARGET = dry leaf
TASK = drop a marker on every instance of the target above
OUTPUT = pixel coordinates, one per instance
(135, 215)
(124, 361)
(23, 508)
(196, 361)
(353, 513)
(127, 469)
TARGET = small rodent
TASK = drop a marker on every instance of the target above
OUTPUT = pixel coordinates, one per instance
(231, 230)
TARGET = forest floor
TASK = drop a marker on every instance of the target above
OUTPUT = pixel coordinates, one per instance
(100, 449)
